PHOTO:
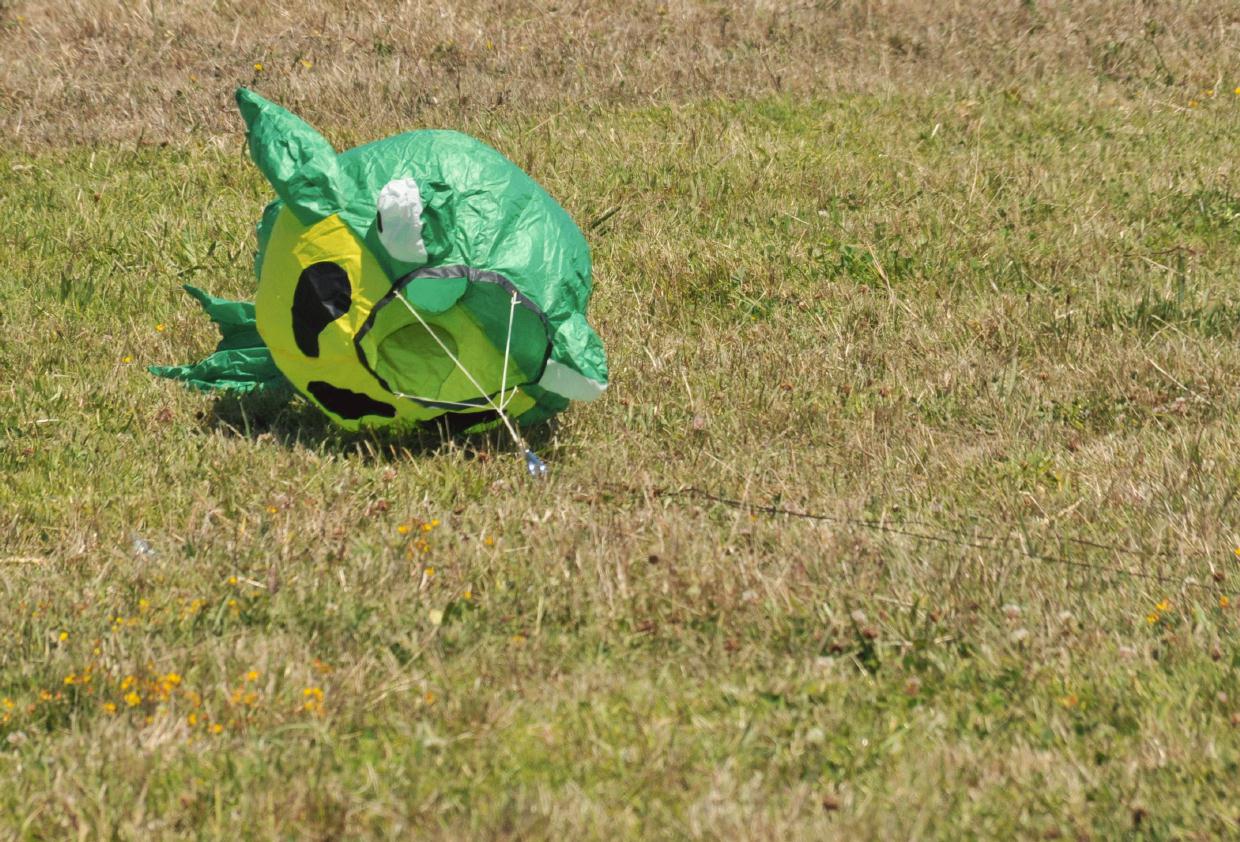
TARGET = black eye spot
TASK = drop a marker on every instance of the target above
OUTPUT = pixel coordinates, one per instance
(379, 220)
(322, 296)
(348, 404)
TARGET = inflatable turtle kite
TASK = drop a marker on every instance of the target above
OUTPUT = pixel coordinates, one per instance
(399, 281)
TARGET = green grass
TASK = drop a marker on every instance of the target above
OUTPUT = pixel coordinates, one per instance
(992, 326)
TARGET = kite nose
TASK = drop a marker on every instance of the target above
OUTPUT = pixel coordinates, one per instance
(454, 338)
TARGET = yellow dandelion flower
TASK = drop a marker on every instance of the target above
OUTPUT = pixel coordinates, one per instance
(127, 682)
(70, 679)
(258, 67)
(429, 572)
(1237, 90)
(252, 675)
(127, 359)
(110, 707)
(426, 527)
(429, 697)
(172, 679)
(467, 596)
(1210, 92)
(1151, 618)
(1223, 602)
(7, 703)
(133, 699)
(313, 693)
(404, 528)
(1163, 606)
(271, 510)
(1237, 549)
(490, 542)
(64, 635)
(232, 580)
(45, 696)
(217, 728)
(191, 720)
(160, 328)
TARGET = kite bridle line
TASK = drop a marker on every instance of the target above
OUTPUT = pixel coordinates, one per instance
(533, 464)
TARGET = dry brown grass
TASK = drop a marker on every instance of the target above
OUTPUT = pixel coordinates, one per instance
(87, 70)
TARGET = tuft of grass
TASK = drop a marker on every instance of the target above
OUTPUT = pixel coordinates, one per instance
(987, 335)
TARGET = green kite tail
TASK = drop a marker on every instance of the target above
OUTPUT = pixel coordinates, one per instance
(409, 278)
(241, 363)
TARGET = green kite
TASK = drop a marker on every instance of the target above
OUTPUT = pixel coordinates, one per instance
(405, 279)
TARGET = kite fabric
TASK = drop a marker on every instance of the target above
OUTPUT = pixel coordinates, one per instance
(398, 281)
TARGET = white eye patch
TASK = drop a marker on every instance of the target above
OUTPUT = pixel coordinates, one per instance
(399, 220)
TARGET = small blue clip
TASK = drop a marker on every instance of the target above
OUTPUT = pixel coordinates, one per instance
(536, 466)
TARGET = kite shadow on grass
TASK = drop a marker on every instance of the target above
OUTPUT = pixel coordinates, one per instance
(292, 422)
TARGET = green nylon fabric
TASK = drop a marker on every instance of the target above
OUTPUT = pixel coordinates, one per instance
(298, 162)
(241, 362)
(479, 210)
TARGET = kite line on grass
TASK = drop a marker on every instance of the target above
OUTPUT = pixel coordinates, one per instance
(977, 541)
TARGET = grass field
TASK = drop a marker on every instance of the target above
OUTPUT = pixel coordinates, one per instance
(962, 282)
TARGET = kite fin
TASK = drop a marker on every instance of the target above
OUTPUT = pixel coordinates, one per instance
(298, 161)
(241, 363)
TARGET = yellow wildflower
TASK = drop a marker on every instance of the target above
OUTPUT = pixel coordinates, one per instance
(133, 699)
(127, 359)
(1192, 103)
(110, 707)
(191, 720)
(70, 679)
(216, 728)
(232, 580)
(160, 328)
(7, 703)
(1151, 618)
(1069, 701)
(1223, 601)
(127, 682)
(252, 675)
(64, 635)
(429, 698)
(1163, 606)
(404, 528)
(429, 572)
(490, 542)
(258, 67)
(467, 596)
(307, 63)
(271, 510)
